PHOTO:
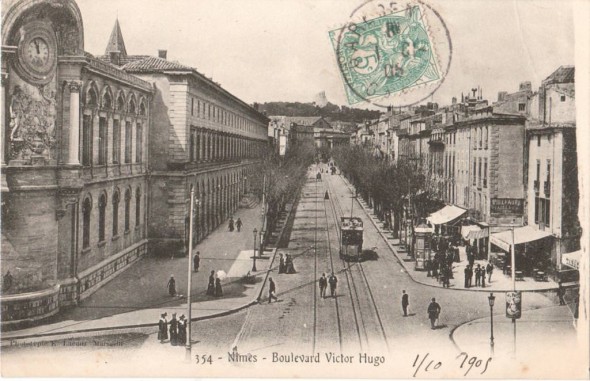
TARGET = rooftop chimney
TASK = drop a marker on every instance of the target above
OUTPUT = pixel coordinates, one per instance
(163, 54)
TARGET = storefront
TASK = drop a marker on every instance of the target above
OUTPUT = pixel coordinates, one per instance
(477, 235)
(446, 221)
(532, 249)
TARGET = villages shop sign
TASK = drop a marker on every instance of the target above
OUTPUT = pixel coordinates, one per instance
(506, 207)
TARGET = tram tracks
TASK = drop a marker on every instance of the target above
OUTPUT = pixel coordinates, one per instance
(365, 310)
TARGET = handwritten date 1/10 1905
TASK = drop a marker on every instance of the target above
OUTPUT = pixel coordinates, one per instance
(423, 364)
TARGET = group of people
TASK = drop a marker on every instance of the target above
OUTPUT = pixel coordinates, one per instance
(214, 285)
(238, 224)
(480, 274)
(324, 282)
(286, 264)
(176, 328)
(445, 253)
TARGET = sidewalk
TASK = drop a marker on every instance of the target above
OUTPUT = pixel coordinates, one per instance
(499, 283)
(137, 297)
(543, 336)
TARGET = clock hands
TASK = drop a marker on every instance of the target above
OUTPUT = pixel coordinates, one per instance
(37, 46)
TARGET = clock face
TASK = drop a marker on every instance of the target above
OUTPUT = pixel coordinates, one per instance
(37, 56)
(37, 53)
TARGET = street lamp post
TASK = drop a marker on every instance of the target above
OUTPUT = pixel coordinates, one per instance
(255, 231)
(262, 232)
(190, 275)
(491, 300)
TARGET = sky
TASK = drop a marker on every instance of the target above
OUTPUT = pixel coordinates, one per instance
(279, 50)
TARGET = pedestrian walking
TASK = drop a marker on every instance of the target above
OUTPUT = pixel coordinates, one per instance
(272, 290)
(490, 269)
(163, 328)
(470, 276)
(433, 313)
(211, 284)
(290, 268)
(196, 262)
(231, 224)
(239, 224)
(448, 277)
(173, 330)
(477, 276)
(281, 264)
(218, 290)
(171, 286)
(405, 302)
(333, 281)
(7, 281)
(326, 196)
(466, 271)
(482, 277)
(182, 330)
(323, 285)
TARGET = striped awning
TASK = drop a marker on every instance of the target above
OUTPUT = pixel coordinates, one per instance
(447, 214)
(473, 232)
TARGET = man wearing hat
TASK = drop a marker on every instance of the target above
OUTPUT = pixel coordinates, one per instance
(173, 330)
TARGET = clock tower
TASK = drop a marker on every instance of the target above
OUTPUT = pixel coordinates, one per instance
(42, 56)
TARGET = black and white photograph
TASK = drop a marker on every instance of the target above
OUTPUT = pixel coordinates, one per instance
(329, 189)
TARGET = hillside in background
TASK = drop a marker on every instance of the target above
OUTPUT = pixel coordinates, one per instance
(343, 113)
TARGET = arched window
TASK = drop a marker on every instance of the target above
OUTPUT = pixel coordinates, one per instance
(142, 110)
(132, 107)
(137, 206)
(127, 209)
(91, 98)
(116, 199)
(102, 206)
(120, 104)
(107, 102)
(86, 210)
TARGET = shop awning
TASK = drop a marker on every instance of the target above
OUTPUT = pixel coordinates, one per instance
(572, 259)
(445, 215)
(522, 235)
(473, 232)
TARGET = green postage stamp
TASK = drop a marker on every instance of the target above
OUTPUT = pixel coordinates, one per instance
(385, 55)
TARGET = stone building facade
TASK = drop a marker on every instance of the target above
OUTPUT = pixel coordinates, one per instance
(99, 155)
(74, 163)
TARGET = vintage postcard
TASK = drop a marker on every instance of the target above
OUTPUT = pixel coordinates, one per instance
(295, 189)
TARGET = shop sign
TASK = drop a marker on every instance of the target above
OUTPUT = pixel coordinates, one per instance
(513, 304)
(506, 207)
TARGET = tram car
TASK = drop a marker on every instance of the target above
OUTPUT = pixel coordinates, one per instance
(351, 238)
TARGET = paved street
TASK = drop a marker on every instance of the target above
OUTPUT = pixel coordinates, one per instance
(365, 317)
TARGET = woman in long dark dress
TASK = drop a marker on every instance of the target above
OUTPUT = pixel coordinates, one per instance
(281, 264)
(182, 330)
(173, 330)
(218, 290)
(172, 286)
(231, 224)
(211, 284)
(163, 328)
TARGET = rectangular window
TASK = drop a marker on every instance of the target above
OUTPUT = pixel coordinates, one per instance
(547, 212)
(192, 145)
(87, 140)
(209, 112)
(474, 173)
(548, 170)
(480, 177)
(116, 141)
(128, 142)
(539, 141)
(192, 106)
(485, 172)
(563, 98)
(537, 205)
(538, 169)
(521, 107)
(139, 144)
(102, 141)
